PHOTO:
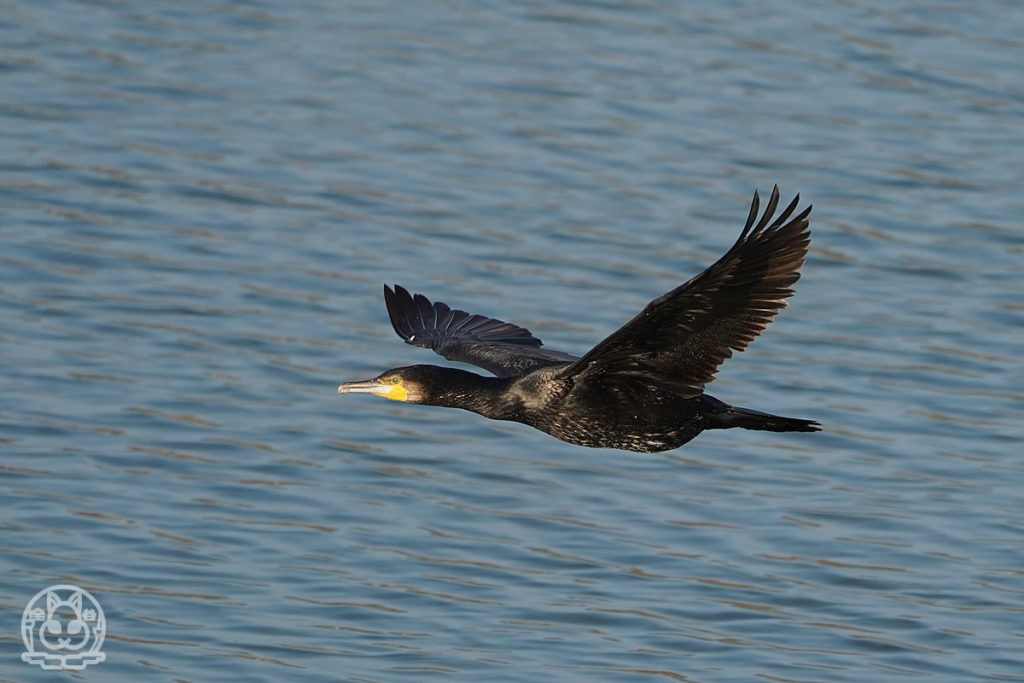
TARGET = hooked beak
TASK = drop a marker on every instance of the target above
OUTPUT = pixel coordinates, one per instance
(393, 389)
(367, 386)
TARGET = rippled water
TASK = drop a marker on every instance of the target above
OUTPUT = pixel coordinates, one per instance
(201, 203)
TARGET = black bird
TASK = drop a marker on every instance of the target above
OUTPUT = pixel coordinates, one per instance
(642, 388)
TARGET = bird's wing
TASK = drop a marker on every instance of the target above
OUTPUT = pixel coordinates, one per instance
(684, 335)
(502, 348)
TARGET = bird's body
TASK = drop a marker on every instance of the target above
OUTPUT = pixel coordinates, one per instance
(641, 389)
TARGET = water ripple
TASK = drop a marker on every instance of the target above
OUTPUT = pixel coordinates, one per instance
(201, 205)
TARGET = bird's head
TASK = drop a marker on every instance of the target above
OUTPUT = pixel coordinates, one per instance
(398, 384)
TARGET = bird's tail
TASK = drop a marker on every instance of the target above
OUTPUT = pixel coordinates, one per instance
(719, 415)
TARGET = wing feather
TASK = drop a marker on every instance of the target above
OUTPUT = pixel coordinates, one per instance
(683, 336)
(501, 348)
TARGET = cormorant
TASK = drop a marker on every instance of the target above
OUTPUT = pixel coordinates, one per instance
(642, 388)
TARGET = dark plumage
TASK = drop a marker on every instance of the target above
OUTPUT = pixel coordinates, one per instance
(642, 388)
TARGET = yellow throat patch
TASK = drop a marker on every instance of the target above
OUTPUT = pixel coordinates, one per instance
(397, 392)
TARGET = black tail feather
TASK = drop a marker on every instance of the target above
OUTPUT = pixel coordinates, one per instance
(719, 415)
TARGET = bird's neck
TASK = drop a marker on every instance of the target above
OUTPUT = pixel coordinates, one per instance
(470, 391)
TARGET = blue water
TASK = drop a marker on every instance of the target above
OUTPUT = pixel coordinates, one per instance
(201, 202)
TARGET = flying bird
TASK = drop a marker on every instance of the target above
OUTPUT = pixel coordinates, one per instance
(640, 389)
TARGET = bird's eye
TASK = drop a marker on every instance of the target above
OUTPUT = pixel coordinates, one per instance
(394, 380)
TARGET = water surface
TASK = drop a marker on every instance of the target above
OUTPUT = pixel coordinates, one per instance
(201, 204)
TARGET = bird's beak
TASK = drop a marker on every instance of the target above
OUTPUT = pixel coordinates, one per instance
(395, 392)
(367, 386)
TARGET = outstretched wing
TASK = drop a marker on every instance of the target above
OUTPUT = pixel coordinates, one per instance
(502, 348)
(684, 335)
